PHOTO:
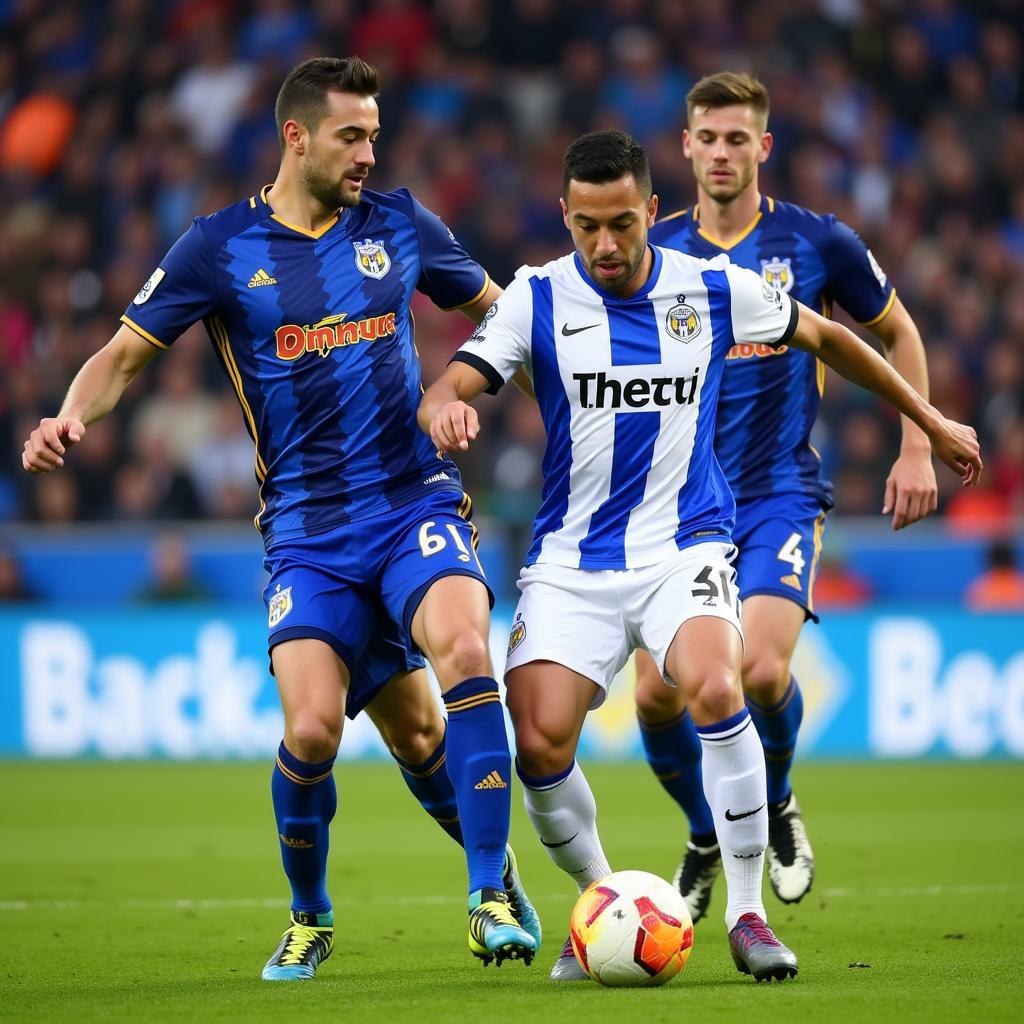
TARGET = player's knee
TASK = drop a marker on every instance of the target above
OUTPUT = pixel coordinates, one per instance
(540, 753)
(312, 739)
(656, 701)
(464, 655)
(766, 676)
(717, 696)
(414, 742)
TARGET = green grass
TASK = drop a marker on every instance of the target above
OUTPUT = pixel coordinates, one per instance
(153, 892)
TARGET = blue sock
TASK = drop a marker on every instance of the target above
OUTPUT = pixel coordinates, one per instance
(429, 783)
(480, 770)
(778, 726)
(674, 752)
(305, 799)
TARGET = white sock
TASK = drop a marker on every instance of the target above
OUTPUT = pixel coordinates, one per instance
(734, 784)
(564, 816)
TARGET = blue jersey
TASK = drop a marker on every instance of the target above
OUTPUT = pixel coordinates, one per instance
(313, 329)
(769, 397)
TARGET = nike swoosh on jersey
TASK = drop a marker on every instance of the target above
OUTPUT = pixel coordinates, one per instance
(568, 332)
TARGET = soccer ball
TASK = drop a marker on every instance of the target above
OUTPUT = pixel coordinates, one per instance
(631, 928)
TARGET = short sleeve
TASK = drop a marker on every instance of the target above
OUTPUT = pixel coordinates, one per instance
(761, 314)
(501, 342)
(448, 277)
(179, 292)
(855, 280)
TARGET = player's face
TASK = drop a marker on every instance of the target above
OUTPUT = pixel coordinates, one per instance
(609, 225)
(339, 154)
(725, 145)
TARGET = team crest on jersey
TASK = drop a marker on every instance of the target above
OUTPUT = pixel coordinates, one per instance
(478, 334)
(516, 637)
(149, 287)
(778, 274)
(372, 258)
(280, 605)
(682, 321)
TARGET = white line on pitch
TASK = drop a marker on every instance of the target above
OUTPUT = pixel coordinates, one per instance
(274, 903)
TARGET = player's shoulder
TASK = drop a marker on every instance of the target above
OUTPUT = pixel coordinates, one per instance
(676, 261)
(221, 226)
(398, 202)
(817, 228)
(673, 226)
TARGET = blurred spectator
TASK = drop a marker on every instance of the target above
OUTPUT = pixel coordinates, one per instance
(172, 580)
(210, 95)
(13, 587)
(223, 467)
(1000, 588)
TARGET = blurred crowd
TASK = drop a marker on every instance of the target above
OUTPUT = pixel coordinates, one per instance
(121, 120)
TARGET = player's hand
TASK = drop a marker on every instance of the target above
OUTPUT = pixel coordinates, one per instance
(957, 445)
(46, 445)
(454, 425)
(911, 492)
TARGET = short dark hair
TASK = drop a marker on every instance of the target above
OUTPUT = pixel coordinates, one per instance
(601, 157)
(729, 89)
(303, 95)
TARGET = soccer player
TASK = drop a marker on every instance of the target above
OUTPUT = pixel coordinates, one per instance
(304, 289)
(768, 405)
(626, 344)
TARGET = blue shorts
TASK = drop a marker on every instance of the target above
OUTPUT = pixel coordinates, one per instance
(779, 540)
(357, 587)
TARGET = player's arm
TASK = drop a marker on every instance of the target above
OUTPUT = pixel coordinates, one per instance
(476, 311)
(96, 389)
(910, 490)
(955, 444)
(444, 412)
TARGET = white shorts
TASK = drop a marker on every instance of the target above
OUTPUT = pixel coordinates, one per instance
(590, 621)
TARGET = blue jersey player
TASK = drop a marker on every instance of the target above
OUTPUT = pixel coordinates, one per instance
(304, 290)
(767, 409)
(627, 346)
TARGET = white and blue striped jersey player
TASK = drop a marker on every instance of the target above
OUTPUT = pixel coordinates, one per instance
(628, 389)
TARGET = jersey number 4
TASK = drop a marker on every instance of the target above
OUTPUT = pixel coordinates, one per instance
(790, 552)
(431, 543)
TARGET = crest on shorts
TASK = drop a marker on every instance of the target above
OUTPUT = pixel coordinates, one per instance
(778, 274)
(372, 258)
(682, 321)
(149, 287)
(280, 605)
(516, 637)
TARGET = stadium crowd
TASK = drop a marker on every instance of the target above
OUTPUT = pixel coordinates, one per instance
(121, 120)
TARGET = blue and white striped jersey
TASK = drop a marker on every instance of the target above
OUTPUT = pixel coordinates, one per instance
(628, 390)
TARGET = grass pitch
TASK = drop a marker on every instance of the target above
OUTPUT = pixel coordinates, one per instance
(153, 892)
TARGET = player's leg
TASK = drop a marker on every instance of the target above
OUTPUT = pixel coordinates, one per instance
(704, 658)
(672, 748)
(409, 720)
(772, 626)
(779, 559)
(548, 704)
(450, 625)
(312, 681)
(568, 633)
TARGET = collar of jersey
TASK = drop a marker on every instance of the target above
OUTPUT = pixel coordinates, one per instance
(767, 205)
(607, 297)
(261, 198)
